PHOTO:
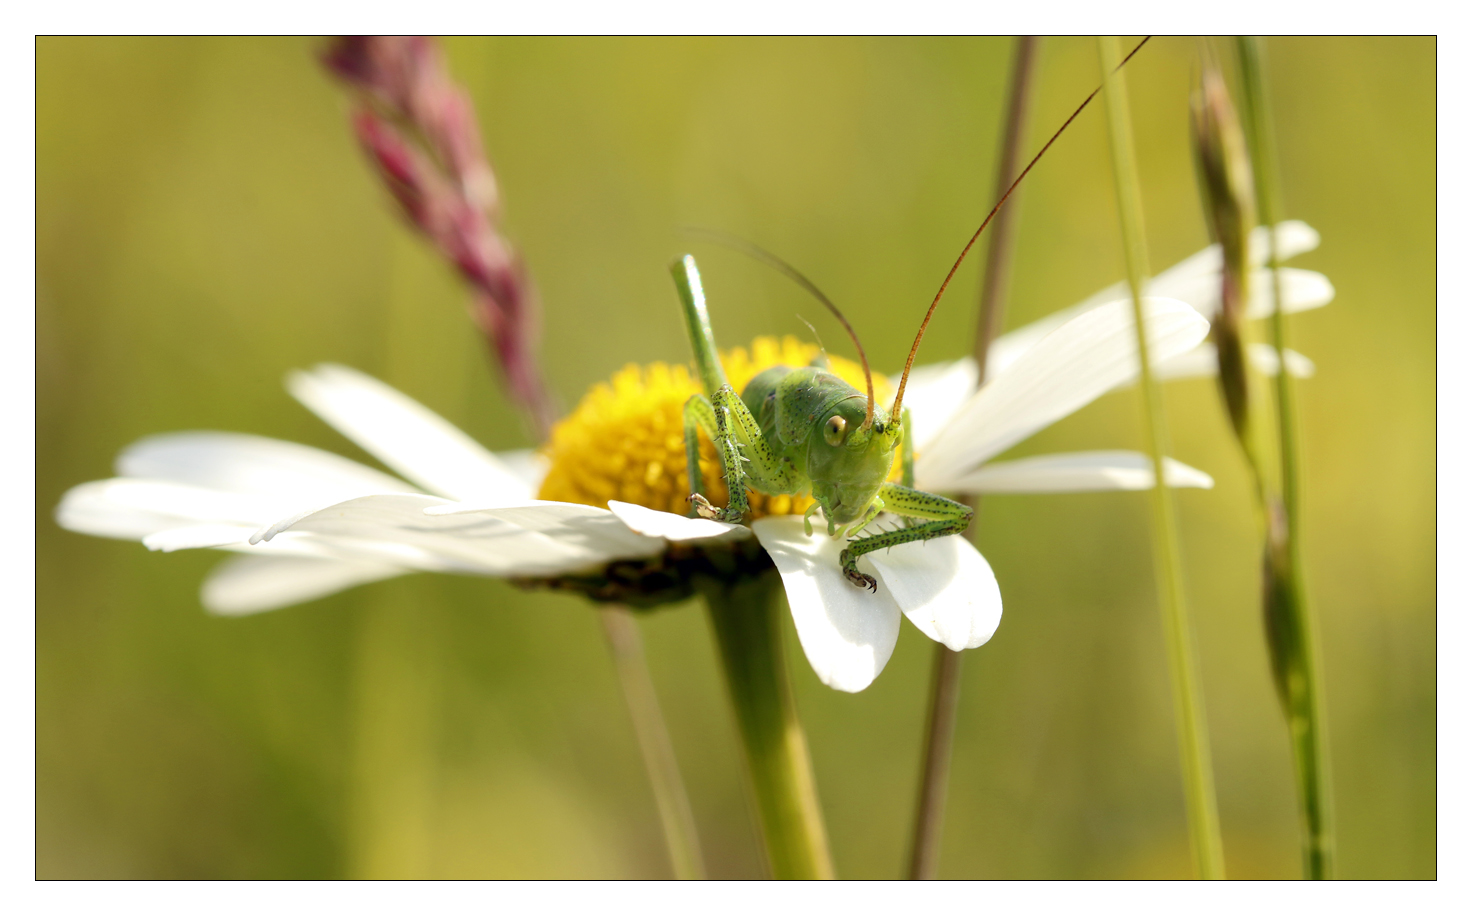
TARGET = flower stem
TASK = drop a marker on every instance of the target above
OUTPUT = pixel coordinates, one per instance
(945, 685)
(1291, 622)
(675, 815)
(748, 633)
(1191, 727)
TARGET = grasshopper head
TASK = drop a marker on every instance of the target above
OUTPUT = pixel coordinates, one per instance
(847, 462)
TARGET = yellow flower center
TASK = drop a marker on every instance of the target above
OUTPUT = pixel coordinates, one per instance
(626, 439)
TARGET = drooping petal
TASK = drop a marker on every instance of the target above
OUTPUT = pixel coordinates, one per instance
(249, 584)
(1061, 373)
(946, 588)
(236, 463)
(848, 633)
(403, 434)
(1078, 472)
(656, 524)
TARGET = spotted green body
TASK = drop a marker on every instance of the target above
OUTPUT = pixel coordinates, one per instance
(800, 430)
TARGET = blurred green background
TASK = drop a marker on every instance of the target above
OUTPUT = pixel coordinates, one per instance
(205, 223)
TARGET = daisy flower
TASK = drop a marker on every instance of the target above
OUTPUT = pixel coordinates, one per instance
(602, 509)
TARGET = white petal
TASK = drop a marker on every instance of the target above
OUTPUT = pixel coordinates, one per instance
(1184, 280)
(405, 435)
(1061, 373)
(946, 589)
(1077, 472)
(326, 547)
(1294, 238)
(198, 536)
(848, 633)
(1008, 348)
(1302, 290)
(86, 508)
(493, 542)
(237, 463)
(597, 529)
(671, 527)
(209, 483)
(170, 516)
(246, 585)
(934, 393)
(1265, 360)
(132, 509)
(1201, 363)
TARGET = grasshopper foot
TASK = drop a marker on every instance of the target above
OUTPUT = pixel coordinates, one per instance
(704, 509)
(850, 565)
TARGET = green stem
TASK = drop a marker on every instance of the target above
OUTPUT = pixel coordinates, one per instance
(1288, 595)
(945, 685)
(1206, 844)
(747, 625)
(680, 837)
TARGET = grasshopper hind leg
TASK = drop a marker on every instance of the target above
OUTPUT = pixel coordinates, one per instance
(945, 517)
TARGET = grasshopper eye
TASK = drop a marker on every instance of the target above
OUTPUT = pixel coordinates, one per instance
(834, 429)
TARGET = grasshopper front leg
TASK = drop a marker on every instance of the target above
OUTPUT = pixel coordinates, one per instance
(702, 414)
(746, 457)
(946, 517)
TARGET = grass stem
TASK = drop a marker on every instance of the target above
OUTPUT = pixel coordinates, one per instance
(940, 730)
(1191, 727)
(1290, 619)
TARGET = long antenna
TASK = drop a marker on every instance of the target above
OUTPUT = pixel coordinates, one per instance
(905, 378)
(792, 273)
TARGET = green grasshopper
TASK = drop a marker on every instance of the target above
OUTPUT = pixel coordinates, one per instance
(795, 431)
(799, 430)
